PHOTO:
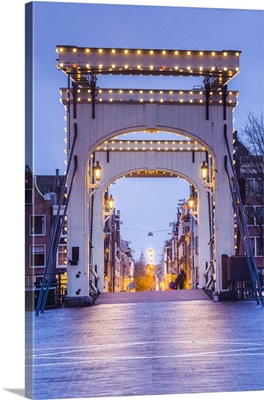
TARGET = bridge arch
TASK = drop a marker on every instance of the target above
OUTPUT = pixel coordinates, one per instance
(133, 174)
(135, 129)
(125, 164)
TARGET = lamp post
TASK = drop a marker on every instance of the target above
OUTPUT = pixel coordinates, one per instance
(93, 183)
(108, 208)
(191, 204)
(209, 186)
(97, 174)
(205, 175)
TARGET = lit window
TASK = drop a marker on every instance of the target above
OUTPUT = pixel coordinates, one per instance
(62, 255)
(64, 228)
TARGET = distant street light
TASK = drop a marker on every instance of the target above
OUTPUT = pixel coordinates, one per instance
(110, 202)
(191, 205)
(109, 208)
(191, 202)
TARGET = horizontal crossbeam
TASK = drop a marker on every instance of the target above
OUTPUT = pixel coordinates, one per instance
(194, 96)
(151, 145)
(80, 62)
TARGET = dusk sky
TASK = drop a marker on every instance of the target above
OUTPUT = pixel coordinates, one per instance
(105, 25)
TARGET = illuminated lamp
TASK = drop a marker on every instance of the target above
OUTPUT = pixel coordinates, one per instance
(97, 171)
(204, 170)
(110, 202)
(191, 202)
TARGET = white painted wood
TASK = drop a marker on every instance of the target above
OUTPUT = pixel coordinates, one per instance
(112, 120)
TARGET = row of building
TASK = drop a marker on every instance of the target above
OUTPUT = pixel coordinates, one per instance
(42, 195)
(181, 250)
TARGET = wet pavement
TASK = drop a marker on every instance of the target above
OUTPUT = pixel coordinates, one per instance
(149, 343)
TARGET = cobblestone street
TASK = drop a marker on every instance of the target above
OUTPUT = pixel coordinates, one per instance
(149, 343)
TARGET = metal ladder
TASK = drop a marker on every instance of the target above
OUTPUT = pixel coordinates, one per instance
(93, 277)
(57, 229)
(242, 224)
(211, 269)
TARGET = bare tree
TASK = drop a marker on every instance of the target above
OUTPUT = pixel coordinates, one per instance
(251, 171)
(252, 138)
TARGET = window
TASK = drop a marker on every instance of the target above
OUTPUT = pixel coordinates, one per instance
(197, 245)
(29, 196)
(254, 215)
(183, 249)
(62, 255)
(64, 228)
(257, 246)
(259, 216)
(37, 256)
(249, 186)
(249, 211)
(37, 225)
(254, 186)
(259, 186)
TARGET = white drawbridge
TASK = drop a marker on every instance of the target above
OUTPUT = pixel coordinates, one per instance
(96, 117)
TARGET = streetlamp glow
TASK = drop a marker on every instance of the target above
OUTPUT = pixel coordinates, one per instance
(191, 202)
(204, 170)
(110, 202)
(97, 171)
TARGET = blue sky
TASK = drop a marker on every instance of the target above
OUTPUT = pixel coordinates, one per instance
(104, 25)
(135, 26)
